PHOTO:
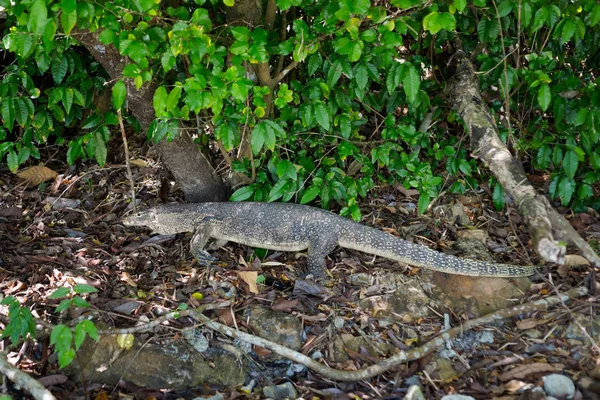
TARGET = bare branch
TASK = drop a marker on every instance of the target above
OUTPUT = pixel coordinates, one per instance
(541, 219)
(26, 381)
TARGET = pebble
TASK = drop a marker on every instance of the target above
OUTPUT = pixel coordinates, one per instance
(559, 386)
(457, 397)
(281, 392)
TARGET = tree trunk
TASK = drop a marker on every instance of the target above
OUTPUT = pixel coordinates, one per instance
(192, 171)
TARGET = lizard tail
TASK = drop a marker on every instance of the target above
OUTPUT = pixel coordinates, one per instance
(374, 241)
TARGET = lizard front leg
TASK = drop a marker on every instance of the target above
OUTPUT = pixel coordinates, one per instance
(197, 245)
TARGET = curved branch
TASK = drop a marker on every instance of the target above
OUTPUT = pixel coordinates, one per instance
(26, 381)
(398, 358)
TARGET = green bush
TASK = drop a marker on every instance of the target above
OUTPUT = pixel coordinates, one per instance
(363, 75)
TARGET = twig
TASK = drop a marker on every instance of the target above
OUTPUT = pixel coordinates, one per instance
(398, 358)
(127, 165)
(169, 316)
(26, 381)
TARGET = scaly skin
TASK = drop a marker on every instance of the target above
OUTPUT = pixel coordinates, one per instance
(294, 227)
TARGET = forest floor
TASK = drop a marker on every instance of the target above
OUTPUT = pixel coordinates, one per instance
(69, 232)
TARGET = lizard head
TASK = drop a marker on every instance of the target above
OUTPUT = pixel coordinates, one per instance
(147, 218)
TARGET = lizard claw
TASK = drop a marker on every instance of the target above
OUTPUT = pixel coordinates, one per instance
(204, 258)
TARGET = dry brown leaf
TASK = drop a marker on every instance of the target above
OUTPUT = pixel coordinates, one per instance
(521, 371)
(138, 162)
(37, 174)
(250, 278)
(261, 351)
(101, 396)
(529, 323)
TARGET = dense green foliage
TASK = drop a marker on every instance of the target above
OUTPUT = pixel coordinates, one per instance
(347, 117)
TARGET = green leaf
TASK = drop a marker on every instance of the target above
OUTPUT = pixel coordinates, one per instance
(355, 50)
(423, 203)
(322, 116)
(61, 337)
(67, 99)
(59, 68)
(465, 167)
(7, 109)
(488, 29)
(101, 152)
(68, 20)
(498, 197)
(447, 21)
(310, 194)
(83, 288)
(541, 16)
(504, 8)
(66, 357)
(79, 302)
(107, 36)
(42, 59)
(60, 292)
(119, 93)
(566, 187)
(544, 96)
(557, 156)
(412, 83)
(12, 160)
(173, 99)
(286, 169)
(257, 139)
(68, 5)
(315, 61)
(568, 30)
(23, 155)
(460, 4)
(242, 194)
(38, 15)
(21, 112)
(345, 126)
(570, 163)
(544, 156)
(48, 35)
(431, 24)
(160, 101)
(361, 76)
(241, 33)
(278, 190)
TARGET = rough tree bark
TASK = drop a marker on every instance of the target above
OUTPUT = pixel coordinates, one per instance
(192, 171)
(545, 224)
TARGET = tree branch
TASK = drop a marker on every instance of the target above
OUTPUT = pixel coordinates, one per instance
(26, 381)
(373, 370)
(541, 219)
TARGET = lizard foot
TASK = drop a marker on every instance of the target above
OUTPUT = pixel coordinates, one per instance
(204, 258)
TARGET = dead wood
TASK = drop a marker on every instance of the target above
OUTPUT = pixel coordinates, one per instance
(23, 379)
(546, 226)
(375, 369)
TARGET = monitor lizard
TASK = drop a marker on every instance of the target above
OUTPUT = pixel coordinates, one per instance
(294, 227)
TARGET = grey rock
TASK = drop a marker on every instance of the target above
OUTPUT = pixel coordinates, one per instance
(155, 366)
(559, 386)
(279, 327)
(281, 392)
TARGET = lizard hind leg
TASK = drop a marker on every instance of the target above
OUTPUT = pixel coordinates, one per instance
(317, 251)
(197, 245)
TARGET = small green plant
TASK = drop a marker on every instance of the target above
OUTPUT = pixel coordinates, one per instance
(65, 340)
(63, 337)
